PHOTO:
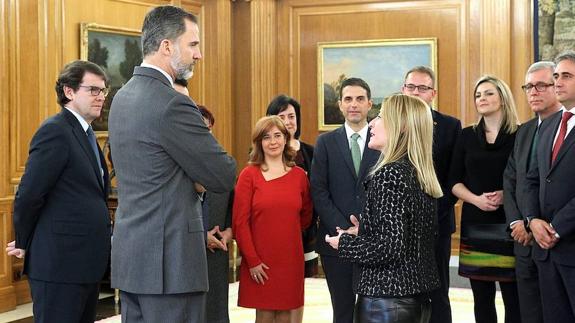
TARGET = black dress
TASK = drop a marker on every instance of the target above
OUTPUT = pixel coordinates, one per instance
(486, 249)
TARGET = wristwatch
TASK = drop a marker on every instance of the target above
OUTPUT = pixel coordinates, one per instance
(526, 222)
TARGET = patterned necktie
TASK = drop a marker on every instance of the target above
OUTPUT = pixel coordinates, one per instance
(94, 144)
(561, 137)
(355, 152)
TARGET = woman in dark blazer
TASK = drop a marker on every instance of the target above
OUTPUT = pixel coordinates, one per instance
(476, 177)
(217, 214)
(394, 248)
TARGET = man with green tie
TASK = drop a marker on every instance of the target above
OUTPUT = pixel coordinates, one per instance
(340, 164)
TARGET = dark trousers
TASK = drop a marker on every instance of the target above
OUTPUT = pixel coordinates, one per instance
(557, 286)
(62, 302)
(339, 277)
(392, 310)
(484, 301)
(150, 308)
(528, 288)
(440, 306)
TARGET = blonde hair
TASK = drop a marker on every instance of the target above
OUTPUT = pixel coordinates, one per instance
(510, 119)
(409, 128)
(265, 124)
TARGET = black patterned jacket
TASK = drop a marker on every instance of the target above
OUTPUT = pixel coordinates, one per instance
(394, 249)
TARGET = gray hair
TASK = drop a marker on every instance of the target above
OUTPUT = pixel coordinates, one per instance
(423, 70)
(542, 65)
(164, 22)
(566, 55)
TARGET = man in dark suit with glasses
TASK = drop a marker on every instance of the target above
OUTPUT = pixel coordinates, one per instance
(61, 218)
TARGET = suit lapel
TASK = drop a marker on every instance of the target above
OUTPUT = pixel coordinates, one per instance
(368, 158)
(526, 144)
(569, 140)
(82, 139)
(343, 145)
(547, 147)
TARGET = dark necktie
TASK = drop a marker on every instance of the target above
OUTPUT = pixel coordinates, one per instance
(561, 137)
(533, 153)
(94, 145)
(355, 152)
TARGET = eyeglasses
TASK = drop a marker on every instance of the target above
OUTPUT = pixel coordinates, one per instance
(421, 88)
(95, 91)
(539, 87)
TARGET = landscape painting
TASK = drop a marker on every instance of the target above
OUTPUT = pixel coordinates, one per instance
(117, 51)
(381, 63)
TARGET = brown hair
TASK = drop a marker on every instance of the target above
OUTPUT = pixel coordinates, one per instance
(264, 125)
(206, 114)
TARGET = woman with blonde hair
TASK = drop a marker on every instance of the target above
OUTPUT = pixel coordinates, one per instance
(479, 159)
(394, 248)
(272, 206)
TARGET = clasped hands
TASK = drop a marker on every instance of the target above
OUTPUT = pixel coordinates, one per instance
(217, 239)
(334, 241)
(544, 234)
(11, 250)
(489, 201)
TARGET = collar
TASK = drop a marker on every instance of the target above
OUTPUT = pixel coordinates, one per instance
(362, 133)
(148, 65)
(83, 122)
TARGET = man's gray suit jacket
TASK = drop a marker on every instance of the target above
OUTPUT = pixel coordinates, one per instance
(160, 148)
(515, 175)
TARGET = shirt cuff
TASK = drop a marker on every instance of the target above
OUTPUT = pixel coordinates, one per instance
(513, 223)
(556, 234)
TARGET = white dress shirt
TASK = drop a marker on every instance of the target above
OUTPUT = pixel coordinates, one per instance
(362, 136)
(160, 70)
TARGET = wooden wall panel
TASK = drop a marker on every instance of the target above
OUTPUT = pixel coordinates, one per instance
(7, 291)
(303, 26)
(255, 68)
(4, 100)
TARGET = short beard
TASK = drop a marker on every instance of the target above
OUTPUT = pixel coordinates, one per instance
(182, 71)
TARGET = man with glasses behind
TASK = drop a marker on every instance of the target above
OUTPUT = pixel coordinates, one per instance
(420, 82)
(543, 102)
(61, 219)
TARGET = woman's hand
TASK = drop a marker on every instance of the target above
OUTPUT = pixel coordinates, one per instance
(333, 241)
(226, 237)
(258, 273)
(496, 197)
(353, 230)
(485, 203)
(212, 241)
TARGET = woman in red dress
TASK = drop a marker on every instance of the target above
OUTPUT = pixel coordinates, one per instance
(272, 206)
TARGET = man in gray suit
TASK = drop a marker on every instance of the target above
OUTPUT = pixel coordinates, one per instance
(161, 148)
(542, 100)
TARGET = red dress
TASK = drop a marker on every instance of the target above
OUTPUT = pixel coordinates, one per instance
(268, 219)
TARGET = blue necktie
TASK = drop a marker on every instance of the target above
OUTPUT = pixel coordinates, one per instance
(94, 144)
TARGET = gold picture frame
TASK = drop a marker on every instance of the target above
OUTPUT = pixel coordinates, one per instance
(381, 63)
(117, 50)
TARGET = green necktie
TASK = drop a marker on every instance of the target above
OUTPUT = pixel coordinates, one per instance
(355, 152)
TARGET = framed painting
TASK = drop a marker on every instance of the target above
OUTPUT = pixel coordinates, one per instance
(381, 63)
(117, 51)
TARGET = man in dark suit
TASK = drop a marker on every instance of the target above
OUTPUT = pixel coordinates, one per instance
(340, 165)
(420, 81)
(161, 147)
(61, 218)
(543, 102)
(550, 201)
